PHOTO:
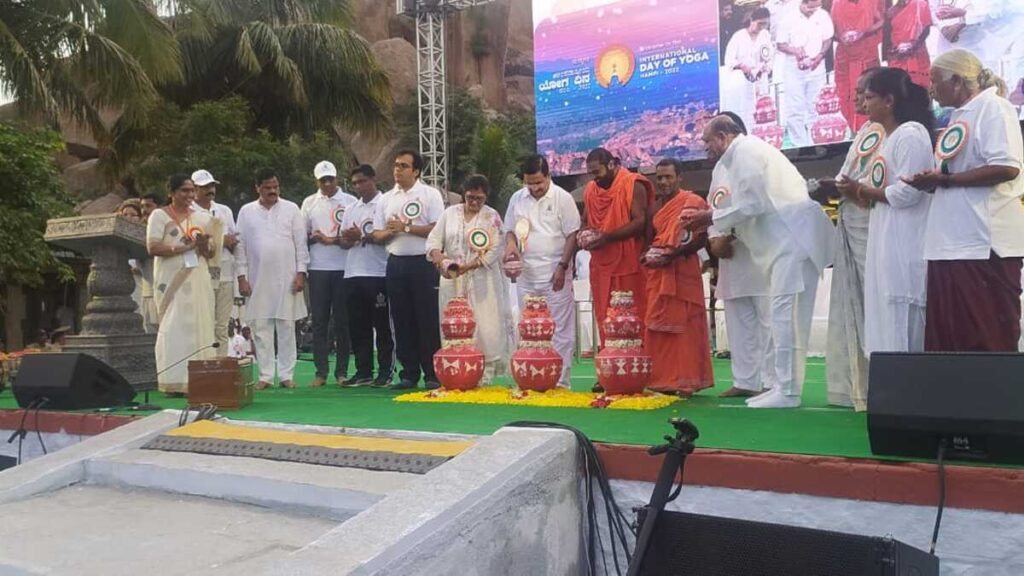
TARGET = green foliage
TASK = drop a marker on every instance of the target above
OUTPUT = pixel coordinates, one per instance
(31, 194)
(222, 137)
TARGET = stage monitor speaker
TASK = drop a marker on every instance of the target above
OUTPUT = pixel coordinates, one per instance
(972, 400)
(70, 382)
(697, 545)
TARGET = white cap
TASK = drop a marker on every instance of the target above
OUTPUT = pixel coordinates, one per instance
(203, 178)
(325, 169)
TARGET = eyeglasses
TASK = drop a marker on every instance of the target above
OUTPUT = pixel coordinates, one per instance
(402, 165)
(476, 198)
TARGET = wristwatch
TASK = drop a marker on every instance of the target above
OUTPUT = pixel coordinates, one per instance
(407, 229)
(563, 265)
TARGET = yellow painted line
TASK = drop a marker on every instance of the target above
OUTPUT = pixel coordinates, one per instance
(221, 431)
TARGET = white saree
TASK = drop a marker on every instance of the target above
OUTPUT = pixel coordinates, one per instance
(184, 301)
(486, 287)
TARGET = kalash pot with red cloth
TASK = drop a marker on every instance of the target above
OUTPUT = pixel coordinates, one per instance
(622, 365)
(536, 365)
(459, 364)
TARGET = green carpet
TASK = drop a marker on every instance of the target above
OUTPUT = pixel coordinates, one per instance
(814, 428)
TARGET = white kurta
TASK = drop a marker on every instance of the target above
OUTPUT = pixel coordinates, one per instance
(895, 286)
(552, 218)
(485, 287)
(801, 88)
(738, 93)
(271, 251)
(183, 297)
(789, 237)
(743, 288)
(845, 363)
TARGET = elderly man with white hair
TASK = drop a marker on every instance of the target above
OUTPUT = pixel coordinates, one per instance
(789, 237)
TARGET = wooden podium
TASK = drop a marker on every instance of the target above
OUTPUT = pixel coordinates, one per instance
(225, 382)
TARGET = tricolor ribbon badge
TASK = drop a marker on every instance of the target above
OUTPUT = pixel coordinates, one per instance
(719, 196)
(412, 210)
(877, 175)
(193, 233)
(367, 227)
(479, 240)
(951, 143)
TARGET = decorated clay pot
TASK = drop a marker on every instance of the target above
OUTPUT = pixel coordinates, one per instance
(771, 133)
(827, 102)
(536, 365)
(765, 112)
(457, 321)
(459, 364)
(829, 129)
(622, 365)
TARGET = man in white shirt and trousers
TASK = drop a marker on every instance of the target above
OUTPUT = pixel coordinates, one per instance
(403, 221)
(365, 271)
(222, 277)
(789, 237)
(324, 212)
(271, 261)
(805, 39)
(539, 218)
(743, 288)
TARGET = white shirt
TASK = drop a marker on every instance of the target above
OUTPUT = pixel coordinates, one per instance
(552, 219)
(755, 53)
(326, 214)
(809, 33)
(397, 204)
(969, 223)
(365, 260)
(271, 251)
(227, 217)
(238, 347)
(771, 212)
(895, 271)
(738, 276)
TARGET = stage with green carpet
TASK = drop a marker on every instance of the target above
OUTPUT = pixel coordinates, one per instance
(813, 429)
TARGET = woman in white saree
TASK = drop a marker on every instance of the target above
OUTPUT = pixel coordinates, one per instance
(466, 245)
(180, 242)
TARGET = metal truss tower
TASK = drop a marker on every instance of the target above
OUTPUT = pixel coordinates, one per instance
(432, 92)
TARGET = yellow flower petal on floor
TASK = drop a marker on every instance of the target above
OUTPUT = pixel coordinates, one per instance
(557, 398)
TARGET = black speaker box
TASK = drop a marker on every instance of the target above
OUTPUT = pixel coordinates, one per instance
(70, 382)
(697, 545)
(975, 401)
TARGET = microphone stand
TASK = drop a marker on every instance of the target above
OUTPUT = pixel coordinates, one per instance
(146, 406)
(676, 450)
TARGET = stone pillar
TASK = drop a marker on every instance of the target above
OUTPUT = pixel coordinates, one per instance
(112, 327)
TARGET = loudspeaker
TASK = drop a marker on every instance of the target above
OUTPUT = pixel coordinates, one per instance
(69, 382)
(697, 545)
(972, 400)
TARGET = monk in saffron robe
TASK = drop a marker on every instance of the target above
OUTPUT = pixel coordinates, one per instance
(909, 24)
(858, 25)
(677, 330)
(615, 231)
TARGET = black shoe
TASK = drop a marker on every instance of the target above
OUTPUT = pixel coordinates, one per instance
(355, 381)
(381, 383)
(403, 385)
(597, 389)
(431, 385)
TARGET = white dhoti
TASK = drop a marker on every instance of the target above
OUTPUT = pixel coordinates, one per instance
(749, 323)
(562, 305)
(791, 329)
(263, 331)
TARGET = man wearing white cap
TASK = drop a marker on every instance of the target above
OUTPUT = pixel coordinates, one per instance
(222, 275)
(324, 211)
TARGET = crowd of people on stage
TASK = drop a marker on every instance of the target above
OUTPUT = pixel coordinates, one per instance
(926, 254)
(791, 46)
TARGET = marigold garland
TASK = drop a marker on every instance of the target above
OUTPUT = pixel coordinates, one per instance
(557, 398)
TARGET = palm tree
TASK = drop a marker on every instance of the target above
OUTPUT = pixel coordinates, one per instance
(79, 57)
(297, 62)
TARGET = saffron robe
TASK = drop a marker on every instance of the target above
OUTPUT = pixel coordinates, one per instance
(907, 23)
(852, 59)
(677, 330)
(615, 267)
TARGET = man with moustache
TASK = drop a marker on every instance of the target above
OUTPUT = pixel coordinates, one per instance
(271, 261)
(222, 273)
(539, 219)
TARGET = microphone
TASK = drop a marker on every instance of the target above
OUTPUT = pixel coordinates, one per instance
(207, 347)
